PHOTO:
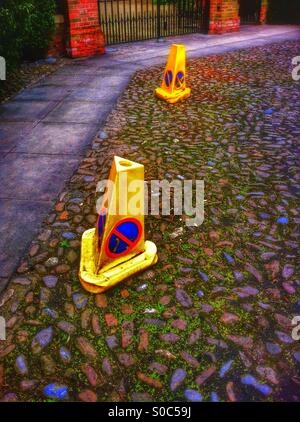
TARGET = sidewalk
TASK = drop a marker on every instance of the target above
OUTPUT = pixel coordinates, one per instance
(46, 128)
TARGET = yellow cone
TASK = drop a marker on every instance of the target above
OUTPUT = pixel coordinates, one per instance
(173, 87)
(116, 248)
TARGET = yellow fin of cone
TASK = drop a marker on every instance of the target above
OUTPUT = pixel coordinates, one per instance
(173, 86)
(116, 248)
(122, 173)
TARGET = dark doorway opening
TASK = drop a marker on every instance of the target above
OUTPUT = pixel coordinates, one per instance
(250, 11)
(283, 11)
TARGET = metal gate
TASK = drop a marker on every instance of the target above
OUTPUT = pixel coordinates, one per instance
(135, 20)
(250, 11)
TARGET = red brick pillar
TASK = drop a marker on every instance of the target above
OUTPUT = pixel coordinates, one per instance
(85, 36)
(263, 12)
(224, 16)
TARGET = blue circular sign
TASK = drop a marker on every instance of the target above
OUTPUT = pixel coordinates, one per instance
(179, 79)
(123, 237)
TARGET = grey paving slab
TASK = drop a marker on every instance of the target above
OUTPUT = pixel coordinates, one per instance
(34, 176)
(57, 138)
(11, 133)
(105, 69)
(20, 221)
(29, 111)
(44, 93)
(77, 112)
(62, 80)
(103, 93)
(104, 62)
(118, 82)
(117, 68)
(84, 62)
(153, 61)
(103, 72)
(77, 70)
(3, 154)
(215, 50)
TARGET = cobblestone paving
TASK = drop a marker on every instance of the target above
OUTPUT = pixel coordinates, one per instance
(212, 320)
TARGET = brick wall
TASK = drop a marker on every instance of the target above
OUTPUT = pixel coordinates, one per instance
(85, 36)
(263, 12)
(224, 16)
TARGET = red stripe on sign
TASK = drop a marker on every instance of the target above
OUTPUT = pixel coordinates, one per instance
(122, 237)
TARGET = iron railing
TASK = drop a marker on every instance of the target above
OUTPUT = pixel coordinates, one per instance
(135, 20)
(250, 11)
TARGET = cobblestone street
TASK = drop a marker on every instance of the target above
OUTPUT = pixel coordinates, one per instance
(211, 321)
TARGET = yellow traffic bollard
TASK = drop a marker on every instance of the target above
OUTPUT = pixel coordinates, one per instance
(173, 87)
(116, 248)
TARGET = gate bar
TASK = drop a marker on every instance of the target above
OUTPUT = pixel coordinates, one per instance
(158, 20)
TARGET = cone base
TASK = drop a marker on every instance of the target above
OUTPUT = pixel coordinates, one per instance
(107, 278)
(173, 97)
